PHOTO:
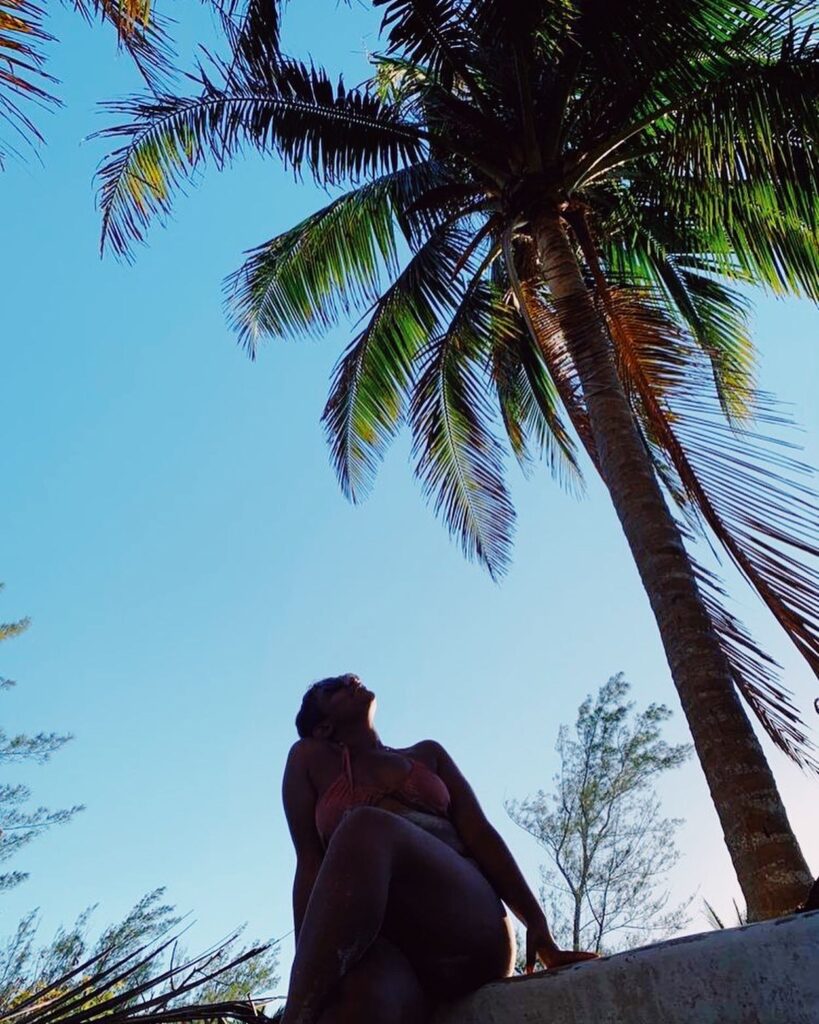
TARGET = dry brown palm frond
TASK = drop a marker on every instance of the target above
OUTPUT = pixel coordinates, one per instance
(140, 31)
(22, 72)
(24, 38)
(137, 987)
(129, 17)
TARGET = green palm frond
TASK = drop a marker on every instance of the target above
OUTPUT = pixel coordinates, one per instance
(328, 265)
(757, 126)
(749, 236)
(368, 396)
(719, 109)
(458, 458)
(294, 111)
(548, 345)
(778, 252)
(530, 407)
(718, 318)
(640, 58)
(716, 315)
(731, 167)
(333, 263)
(530, 402)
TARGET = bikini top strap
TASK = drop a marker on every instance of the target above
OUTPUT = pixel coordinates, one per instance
(347, 765)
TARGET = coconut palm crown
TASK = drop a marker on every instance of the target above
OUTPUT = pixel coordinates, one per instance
(553, 208)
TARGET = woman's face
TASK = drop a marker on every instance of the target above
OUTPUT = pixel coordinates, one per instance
(344, 699)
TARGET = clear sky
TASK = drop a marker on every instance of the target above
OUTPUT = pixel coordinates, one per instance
(172, 525)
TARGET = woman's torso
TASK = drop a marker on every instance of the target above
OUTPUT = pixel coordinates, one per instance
(404, 781)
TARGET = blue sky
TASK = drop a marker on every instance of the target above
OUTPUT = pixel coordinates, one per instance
(172, 526)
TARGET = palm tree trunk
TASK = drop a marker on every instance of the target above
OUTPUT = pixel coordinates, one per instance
(767, 859)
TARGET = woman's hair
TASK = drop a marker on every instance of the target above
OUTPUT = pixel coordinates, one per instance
(310, 715)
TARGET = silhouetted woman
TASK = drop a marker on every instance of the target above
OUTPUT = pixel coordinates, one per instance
(399, 877)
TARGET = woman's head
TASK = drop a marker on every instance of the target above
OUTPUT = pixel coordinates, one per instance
(334, 703)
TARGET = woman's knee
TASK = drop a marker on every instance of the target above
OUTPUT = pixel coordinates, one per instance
(362, 825)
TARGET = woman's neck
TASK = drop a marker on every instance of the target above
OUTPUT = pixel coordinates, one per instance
(358, 739)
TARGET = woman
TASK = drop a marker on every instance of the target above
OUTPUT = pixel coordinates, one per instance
(399, 876)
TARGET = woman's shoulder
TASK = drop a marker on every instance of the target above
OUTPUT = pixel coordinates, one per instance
(308, 754)
(428, 752)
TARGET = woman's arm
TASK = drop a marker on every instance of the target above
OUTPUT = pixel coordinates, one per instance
(499, 866)
(299, 798)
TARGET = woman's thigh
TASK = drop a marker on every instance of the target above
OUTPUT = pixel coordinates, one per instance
(441, 911)
(381, 988)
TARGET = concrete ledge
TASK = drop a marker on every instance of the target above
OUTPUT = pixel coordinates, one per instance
(765, 973)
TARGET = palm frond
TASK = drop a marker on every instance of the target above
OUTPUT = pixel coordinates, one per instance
(23, 78)
(637, 255)
(718, 318)
(141, 32)
(129, 16)
(743, 230)
(747, 489)
(429, 32)
(731, 167)
(328, 265)
(458, 459)
(547, 337)
(23, 38)
(777, 251)
(368, 394)
(253, 30)
(529, 400)
(641, 57)
(137, 986)
(331, 264)
(294, 111)
(541, 23)
(757, 126)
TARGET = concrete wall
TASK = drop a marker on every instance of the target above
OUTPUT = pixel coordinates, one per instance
(764, 973)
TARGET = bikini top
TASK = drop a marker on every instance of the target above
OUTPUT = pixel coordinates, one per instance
(421, 788)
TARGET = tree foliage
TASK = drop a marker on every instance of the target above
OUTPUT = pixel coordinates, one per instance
(135, 970)
(678, 142)
(25, 40)
(609, 847)
(20, 823)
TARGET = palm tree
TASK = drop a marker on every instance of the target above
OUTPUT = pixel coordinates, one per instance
(552, 208)
(24, 40)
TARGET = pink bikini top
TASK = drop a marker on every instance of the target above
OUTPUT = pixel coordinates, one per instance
(421, 788)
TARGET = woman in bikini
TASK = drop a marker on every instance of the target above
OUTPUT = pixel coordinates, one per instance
(400, 880)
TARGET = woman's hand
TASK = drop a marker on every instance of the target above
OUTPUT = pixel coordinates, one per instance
(541, 946)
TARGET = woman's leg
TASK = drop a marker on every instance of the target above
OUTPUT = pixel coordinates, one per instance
(384, 875)
(381, 988)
